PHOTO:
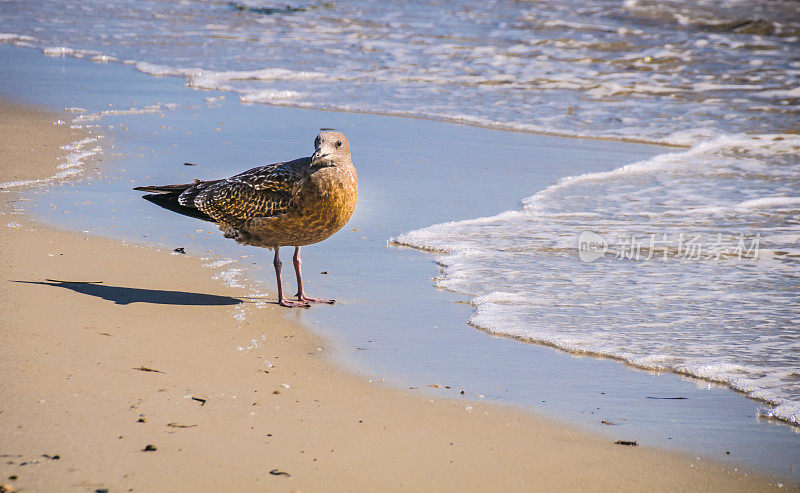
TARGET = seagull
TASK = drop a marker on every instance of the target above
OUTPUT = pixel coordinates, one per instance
(294, 203)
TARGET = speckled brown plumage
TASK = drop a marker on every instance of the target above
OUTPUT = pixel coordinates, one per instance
(293, 203)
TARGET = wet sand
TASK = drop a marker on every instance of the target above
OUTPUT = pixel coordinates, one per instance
(77, 385)
(20, 155)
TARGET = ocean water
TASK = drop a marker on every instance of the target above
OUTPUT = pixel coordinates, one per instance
(694, 266)
(663, 71)
(686, 262)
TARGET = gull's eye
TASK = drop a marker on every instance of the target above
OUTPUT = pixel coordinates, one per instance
(338, 143)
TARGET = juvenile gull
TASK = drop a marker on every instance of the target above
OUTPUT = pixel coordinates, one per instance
(294, 203)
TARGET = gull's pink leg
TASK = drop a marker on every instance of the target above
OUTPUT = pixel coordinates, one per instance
(281, 300)
(300, 293)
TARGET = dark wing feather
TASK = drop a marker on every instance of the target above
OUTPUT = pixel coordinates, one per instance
(260, 192)
(188, 195)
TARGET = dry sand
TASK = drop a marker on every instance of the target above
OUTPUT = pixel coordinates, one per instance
(73, 386)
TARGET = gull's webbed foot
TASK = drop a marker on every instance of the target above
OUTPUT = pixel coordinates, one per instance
(294, 304)
(308, 299)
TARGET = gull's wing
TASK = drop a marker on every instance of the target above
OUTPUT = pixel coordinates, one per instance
(260, 192)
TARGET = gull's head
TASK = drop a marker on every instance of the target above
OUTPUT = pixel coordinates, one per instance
(330, 148)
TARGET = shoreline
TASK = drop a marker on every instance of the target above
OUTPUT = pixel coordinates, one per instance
(428, 344)
(445, 442)
(19, 169)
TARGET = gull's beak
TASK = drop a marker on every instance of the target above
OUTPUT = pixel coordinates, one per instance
(319, 158)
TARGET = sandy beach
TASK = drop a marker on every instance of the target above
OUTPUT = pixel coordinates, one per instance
(110, 350)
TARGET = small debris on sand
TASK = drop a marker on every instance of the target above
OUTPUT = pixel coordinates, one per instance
(150, 448)
(200, 400)
(51, 457)
(435, 386)
(6, 488)
(627, 442)
(278, 472)
(180, 250)
(190, 164)
(609, 423)
(177, 425)
(144, 368)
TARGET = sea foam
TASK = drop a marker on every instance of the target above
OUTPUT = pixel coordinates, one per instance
(714, 315)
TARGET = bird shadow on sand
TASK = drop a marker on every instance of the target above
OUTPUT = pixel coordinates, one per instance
(125, 296)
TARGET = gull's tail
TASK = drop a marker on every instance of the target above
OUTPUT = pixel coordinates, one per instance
(167, 196)
(161, 189)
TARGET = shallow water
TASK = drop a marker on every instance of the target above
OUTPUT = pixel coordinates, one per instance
(674, 71)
